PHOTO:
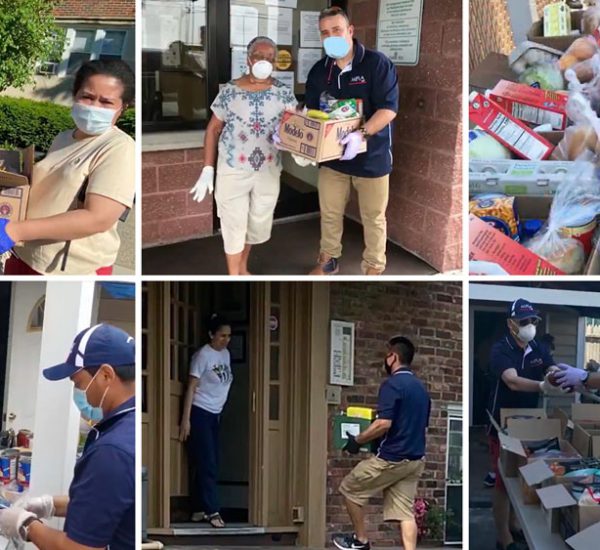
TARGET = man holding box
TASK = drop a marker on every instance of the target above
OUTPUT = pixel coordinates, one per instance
(519, 364)
(403, 410)
(351, 71)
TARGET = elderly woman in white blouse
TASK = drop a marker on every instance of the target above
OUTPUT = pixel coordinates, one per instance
(246, 114)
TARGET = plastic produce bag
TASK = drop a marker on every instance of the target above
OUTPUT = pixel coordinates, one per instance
(582, 140)
(584, 77)
(577, 202)
(546, 76)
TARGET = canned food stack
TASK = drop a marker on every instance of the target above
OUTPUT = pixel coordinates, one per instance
(15, 461)
(534, 151)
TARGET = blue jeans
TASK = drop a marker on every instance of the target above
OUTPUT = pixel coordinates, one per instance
(204, 456)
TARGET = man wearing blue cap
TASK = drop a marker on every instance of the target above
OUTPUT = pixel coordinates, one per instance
(99, 511)
(519, 365)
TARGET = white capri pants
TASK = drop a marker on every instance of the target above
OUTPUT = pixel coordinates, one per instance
(245, 205)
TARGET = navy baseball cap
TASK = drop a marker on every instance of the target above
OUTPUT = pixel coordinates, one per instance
(522, 309)
(93, 347)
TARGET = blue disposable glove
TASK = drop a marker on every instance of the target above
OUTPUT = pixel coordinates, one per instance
(6, 243)
(353, 143)
(570, 377)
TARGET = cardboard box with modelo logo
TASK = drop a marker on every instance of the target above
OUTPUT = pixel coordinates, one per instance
(16, 168)
(316, 140)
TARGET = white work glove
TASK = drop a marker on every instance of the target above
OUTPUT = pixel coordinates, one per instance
(11, 523)
(42, 507)
(204, 184)
(548, 388)
(301, 161)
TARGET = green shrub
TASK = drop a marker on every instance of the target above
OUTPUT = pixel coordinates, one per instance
(24, 121)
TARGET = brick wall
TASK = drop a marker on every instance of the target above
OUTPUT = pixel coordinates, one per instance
(431, 316)
(169, 213)
(106, 9)
(425, 209)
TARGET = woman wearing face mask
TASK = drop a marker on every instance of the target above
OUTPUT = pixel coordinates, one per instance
(83, 185)
(519, 365)
(246, 114)
(209, 382)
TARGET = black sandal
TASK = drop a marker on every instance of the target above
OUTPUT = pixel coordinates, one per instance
(214, 520)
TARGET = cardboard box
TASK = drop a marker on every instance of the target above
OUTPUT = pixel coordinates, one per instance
(552, 499)
(519, 177)
(586, 428)
(15, 182)
(557, 19)
(488, 244)
(508, 130)
(490, 71)
(531, 105)
(585, 539)
(317, 140)
(573, 517)
(562, 43)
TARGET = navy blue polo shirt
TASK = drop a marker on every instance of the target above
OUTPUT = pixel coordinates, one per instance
(101, 509)
(371, 77)
(531, 362)
(404, 400)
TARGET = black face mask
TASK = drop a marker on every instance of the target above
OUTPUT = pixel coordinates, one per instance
(386, 366)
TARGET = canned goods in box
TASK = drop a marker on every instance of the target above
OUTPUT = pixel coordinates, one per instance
(8, 465)
(583, 232)
(24, 470)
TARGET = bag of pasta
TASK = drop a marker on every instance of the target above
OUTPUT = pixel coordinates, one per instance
(498, 211)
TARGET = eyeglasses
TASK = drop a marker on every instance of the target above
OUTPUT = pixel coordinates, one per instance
(530, 321)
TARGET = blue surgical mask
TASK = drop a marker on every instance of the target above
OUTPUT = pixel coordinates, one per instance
(92, 120)
(95, 414)
(336, 47)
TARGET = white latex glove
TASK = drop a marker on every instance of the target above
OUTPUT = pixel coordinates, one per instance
(301, 161)
(42, 507)
(204, 184)
(11, 523)
(549, 389)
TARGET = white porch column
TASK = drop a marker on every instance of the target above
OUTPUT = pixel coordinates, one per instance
(56, 428)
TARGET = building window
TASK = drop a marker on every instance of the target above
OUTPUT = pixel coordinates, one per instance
(81, 49)
(113, 45)
(36, 317)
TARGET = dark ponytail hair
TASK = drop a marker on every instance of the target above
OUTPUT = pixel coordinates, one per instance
(215, 322)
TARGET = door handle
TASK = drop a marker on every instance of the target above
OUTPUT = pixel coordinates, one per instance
(12, 416)
(253, 401)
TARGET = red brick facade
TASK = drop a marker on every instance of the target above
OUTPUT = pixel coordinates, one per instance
(425, 208)
(105, 9)
(169, 213)
(430, 314)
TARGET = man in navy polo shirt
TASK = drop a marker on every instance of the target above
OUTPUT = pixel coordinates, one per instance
(403, 410)
(100, 508)
(351, 71)
(519, 364)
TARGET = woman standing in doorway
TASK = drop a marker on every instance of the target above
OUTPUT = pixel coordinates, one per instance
(209, 382)
(246, 114)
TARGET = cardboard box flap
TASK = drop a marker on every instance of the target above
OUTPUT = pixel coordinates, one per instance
(536, 472)
(511, 444)
(555, 496)
(589, 412)
(28, 160)
(493, 68)
(535, 413)
(18, 160)
(586, 539)
(533, 430)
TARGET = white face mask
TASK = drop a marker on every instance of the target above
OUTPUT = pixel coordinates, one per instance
(262, 69)
(527, 333)
(92, 120)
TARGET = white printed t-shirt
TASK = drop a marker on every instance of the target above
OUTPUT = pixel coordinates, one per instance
(213, 369)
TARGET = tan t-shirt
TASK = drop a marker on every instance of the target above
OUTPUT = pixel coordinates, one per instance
(108, 161)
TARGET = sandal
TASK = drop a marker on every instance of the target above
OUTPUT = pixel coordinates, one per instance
(215, 520)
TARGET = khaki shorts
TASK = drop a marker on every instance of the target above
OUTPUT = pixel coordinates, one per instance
(397, 480)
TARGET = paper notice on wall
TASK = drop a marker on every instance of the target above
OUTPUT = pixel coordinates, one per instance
(307, 57)
(280, 26)
(287, 77)
(239, 64)
(243, 25)
(399, 30)
(310, 37)
(282, 3)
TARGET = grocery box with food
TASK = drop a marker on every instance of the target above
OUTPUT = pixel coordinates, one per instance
(316, 134)
(16, 167)
(562, 42)
(586, 428)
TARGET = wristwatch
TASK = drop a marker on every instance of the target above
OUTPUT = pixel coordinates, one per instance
(24, 529)
(364, 132)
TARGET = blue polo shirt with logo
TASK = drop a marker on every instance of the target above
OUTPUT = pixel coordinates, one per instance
(531, 362)
(371, 77)
(101, 510)
(404, 400)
